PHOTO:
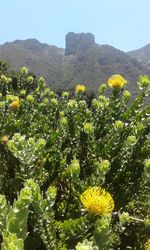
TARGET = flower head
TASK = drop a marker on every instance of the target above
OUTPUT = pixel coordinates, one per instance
(97, 201)
(4, 139)
(116, 81)
(80, 88)
(15, 104)
(147, 245)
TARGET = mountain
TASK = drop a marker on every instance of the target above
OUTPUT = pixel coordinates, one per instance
(82, 61)
(142, 55)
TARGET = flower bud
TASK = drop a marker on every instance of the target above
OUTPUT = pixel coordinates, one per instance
(102, 167)
(147, 163)
(126, 95)
(86, 245)
(62, 113)
(63, 121)
(82, 103)
(30, 98)
(47, 91)
(24, 70)
(65, 94)
(10, 98)
(41, 82)
(30, 79)
(23, 93)
(40, 144)
(147, 168)
(95, 103)
(119, 125)
(5, 79)
(102, 88)
(72, 104)
(2, 104)
(131, 140)
(51, 94)
(51, 193)
(54, 101)
(124, 217)
(104, 102)
(73, 169)
(88, 128)
(42, 105)
(46, 100)
(143, 82)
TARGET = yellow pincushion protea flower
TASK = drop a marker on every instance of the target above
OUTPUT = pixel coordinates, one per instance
(15, 104)
(147, 245)
(80, 88)
(97, 201)
(116, 81)
(4, 139)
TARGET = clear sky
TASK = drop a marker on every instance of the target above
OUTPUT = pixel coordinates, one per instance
(124, 24)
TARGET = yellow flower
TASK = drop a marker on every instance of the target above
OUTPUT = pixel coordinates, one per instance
(97, 201)
(147, 245)
(4, 139)
(80, 88)
(15, 104)
(116, 81)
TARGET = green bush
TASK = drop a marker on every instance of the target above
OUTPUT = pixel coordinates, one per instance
(74, 173)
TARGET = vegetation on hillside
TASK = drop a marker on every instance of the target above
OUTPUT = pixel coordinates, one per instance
(81, 61)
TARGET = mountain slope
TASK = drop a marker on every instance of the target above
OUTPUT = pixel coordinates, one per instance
(142, 55)
(83, 61)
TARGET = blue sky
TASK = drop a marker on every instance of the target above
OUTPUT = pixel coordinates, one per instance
(123, 24)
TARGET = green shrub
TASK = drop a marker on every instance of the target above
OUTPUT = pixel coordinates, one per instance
(74, 174)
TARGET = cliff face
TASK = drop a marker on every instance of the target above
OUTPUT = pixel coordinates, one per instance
(82, 61)
(76, 42)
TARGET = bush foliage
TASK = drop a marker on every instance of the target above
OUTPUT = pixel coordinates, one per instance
(74, 173)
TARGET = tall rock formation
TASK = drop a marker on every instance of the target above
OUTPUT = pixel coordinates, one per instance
(76, 42)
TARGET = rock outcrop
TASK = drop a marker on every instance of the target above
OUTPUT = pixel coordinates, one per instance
(78, 41)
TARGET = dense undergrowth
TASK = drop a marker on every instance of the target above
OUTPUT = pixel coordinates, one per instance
(74, 173)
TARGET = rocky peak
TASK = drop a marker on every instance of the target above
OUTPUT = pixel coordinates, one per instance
(78, 41)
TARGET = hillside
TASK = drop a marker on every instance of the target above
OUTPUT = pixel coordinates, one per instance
(82, 61)
(142, 55)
